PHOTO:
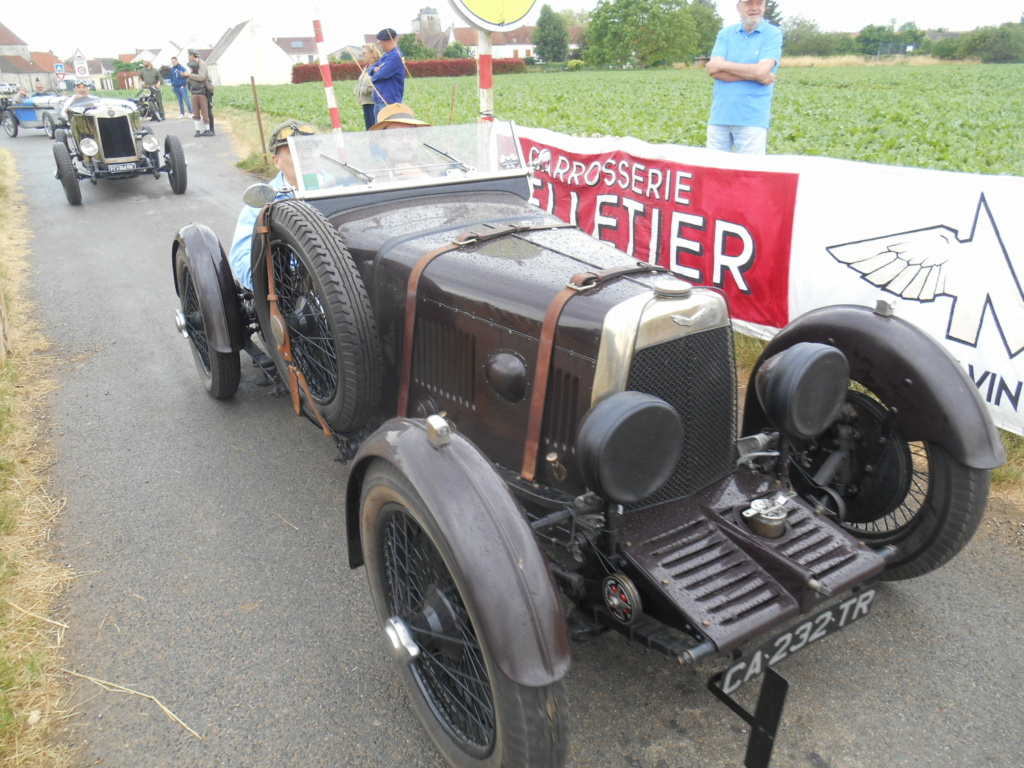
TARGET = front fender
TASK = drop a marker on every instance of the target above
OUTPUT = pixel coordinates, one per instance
(215, 286)
(506, 573)
(924, 386)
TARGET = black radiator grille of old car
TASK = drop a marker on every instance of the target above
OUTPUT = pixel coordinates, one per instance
(116, 137)
(696, 375)
(445, 361)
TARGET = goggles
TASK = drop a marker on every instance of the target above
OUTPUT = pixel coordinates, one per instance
(281, 135)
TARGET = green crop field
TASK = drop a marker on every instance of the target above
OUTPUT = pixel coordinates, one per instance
(949, 117)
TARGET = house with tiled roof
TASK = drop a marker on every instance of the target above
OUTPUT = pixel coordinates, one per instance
(514, 44)
(302, 50)
(23, 67)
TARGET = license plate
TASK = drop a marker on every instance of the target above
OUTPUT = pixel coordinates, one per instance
(821, 624)
(121, 167)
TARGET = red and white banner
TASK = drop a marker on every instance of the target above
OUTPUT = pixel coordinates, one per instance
(783, 235)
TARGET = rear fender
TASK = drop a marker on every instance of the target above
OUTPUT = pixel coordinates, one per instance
(925, 387)
(215, 286)
(494, 548)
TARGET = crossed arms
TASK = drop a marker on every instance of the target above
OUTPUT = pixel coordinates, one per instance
(731, 72)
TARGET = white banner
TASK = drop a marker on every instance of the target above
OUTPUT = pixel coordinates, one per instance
(783, 235)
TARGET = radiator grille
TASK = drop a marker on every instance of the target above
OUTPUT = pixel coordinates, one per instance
(444, 361)
(696, 375)
(116, 137)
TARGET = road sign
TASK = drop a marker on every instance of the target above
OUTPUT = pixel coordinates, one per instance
(60, 76)
(81, 67)
(59, 68)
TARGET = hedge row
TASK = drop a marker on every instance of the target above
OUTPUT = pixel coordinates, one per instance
(349, 70)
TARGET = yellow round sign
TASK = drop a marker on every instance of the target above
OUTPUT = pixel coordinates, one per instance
(495, 15)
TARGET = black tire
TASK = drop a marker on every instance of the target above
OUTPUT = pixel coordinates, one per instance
(145, 110)
(67, 174)
(10, 123)
(325, 306)
(476, 717)
(61, 136)
(177, 171)
(913, 496)
(219, 372)
(48, 127)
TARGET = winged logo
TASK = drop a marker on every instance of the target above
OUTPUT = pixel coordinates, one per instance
(923, 265)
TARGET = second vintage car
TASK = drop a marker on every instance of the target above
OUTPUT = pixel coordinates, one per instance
(544, 442)
(106, 140)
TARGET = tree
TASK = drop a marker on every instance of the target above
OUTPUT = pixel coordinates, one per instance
(413, 48)
(909, 36)
(550, 38)
(707, 23)
(456, 50)
(640, 32)
(994, 45)
(805, 38)
(772, 13)
(575, 18)
(876, 40)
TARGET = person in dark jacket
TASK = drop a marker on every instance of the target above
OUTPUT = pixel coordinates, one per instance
(388, 74)
(197, 87)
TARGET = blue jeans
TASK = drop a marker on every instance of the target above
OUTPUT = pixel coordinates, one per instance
(742, 139)
(184, 100)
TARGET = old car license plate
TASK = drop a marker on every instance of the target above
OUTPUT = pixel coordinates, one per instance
(121, 167)
(820, 625)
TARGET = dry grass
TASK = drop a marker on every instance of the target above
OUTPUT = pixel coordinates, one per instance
(31, 692)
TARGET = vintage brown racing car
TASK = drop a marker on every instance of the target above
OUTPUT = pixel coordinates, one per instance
(543, 436)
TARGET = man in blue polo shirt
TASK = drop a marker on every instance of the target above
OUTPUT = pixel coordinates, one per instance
(388, 74)
(743, 65)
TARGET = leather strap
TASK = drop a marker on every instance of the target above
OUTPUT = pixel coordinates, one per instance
(412, 288)
(583, 281)
(295, 376)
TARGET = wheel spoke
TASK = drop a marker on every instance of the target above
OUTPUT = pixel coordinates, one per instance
(450, 671)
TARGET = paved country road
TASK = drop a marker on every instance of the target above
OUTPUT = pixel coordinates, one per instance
(209, 541)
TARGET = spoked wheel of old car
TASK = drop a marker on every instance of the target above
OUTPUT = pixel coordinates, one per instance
(48, 125)
(475, 715)
(177, 172)
(219, 372)
(323, 309)
(913, 496)
(10, 122)
(67, 174)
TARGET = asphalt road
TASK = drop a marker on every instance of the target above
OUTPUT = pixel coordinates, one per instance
(209, 541)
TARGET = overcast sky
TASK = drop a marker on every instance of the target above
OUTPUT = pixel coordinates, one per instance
(62, 26)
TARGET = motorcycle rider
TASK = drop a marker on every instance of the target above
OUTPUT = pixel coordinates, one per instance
(152, 79)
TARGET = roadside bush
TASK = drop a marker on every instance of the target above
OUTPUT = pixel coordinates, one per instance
(574, 64)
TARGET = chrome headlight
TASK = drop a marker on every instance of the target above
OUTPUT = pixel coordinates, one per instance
(89, 147)
(150, 143)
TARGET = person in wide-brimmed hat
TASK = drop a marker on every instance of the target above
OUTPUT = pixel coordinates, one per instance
(388, 74)
(396, 116)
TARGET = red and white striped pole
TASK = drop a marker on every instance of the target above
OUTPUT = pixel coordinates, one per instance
(486, 74)
(325, 72)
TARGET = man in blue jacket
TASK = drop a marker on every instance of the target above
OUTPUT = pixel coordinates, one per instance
(388, 74)
(743, 65)
(179, 86)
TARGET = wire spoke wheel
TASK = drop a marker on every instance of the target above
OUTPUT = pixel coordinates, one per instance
(450, 669)
(476, 716)
(911, 495)
(306, 319)
(220, 372)
(326, 313)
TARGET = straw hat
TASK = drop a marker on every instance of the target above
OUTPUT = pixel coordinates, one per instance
(396, 114)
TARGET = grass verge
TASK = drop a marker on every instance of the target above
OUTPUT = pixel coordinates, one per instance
(30, 690)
